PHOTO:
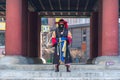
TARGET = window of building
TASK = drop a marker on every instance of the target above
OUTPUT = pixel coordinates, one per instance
(84, 31)
(77, 21)
(82, 20)
(87, 20)
(84, 38)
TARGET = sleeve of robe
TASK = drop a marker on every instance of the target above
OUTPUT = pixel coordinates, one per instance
(69, 37)
(54, 41)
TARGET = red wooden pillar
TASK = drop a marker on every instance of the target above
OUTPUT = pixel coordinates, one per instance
(16, 22)
(33, 34)
(25, 26)
(94, 35)
(108, 29)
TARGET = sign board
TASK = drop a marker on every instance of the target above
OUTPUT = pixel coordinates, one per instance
(45, 28)
(2, 25)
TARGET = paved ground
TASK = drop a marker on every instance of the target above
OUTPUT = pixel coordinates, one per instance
(46, 72)
(18, 68)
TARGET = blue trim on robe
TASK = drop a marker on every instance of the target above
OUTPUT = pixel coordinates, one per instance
(62, 58)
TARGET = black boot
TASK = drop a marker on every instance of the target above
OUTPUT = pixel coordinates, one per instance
(57, 68)
(68, 68)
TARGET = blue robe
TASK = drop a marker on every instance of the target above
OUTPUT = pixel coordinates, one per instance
(59, 55)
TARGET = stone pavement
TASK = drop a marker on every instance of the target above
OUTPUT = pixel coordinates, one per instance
(46, 72)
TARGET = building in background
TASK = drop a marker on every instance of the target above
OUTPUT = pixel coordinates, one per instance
(81, 40)
(80, 29)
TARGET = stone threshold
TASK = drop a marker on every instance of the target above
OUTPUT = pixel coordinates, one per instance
(62, 67)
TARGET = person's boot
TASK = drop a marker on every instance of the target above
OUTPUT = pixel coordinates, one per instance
(57, 68)
(68, 68)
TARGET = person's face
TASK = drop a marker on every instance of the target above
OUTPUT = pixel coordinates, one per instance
(61, 25)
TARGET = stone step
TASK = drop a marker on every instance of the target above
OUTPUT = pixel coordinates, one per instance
(62, 67)
(48, 67)
(46, 72)
(62, 75)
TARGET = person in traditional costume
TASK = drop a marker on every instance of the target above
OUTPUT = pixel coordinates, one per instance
(61, 38)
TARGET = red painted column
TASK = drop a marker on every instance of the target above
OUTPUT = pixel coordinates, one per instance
(108, 29)
(14, 27)
(94, 35)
